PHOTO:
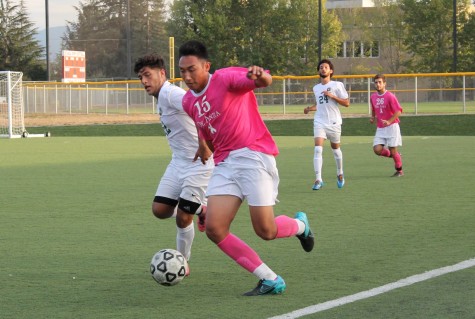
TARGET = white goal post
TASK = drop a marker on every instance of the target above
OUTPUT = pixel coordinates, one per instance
(12, 117)
(11, 104)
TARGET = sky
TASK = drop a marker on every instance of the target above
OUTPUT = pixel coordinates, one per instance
(59, 12)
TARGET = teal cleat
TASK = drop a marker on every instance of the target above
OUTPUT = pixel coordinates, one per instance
(268, 287)
(340, 181)
(307, 239)
(318, 184)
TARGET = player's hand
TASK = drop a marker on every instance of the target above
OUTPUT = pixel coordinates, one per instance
(203, 152)
(371, 120)
(254, 72)
(306, 110)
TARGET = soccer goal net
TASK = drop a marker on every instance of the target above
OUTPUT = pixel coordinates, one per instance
(11, 105)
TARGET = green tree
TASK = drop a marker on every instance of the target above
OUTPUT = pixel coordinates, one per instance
(19, 51)
(101, 31)
(466, 41)
(278, 34)
(429, 33)
(385, 25)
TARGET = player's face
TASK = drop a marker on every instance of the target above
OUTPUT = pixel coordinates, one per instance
(380, 85)
(194, 72)
(152, 79)
(324, 71)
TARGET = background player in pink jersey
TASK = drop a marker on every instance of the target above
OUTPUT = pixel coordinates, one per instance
(385, 109)
(327, 121)
(181, 190)
(224, 108)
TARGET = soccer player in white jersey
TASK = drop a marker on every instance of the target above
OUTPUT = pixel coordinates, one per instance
(181, 190)
(327, 121)
(385, 109)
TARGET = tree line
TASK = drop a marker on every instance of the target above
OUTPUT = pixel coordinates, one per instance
(281, 35)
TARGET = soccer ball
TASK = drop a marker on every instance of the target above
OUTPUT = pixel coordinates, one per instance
(168, 267)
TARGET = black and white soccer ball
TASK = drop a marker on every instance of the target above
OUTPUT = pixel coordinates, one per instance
(168, 267)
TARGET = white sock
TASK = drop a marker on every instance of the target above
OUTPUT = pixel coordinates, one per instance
(184, 240)
(318, 162)
(338, 155)
(301, 226)
(264, 272)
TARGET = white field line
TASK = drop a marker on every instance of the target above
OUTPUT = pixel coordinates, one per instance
(377, 291)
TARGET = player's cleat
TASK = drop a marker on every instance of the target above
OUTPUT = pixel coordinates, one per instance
(268, 287)
(340, 181)
(202, 220)
(307, 239)
(318, 184)
(398, 174)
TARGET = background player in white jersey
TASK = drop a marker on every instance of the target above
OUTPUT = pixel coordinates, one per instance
(182, 188)
(385, 108)
(327, 121)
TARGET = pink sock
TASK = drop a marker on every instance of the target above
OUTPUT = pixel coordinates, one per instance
(286, 226)
(397, 160)
(385, 152)
(240, 252)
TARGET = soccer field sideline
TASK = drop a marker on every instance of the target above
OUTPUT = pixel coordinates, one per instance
(377, 291)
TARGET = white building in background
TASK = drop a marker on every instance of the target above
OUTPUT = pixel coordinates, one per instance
(335, 4)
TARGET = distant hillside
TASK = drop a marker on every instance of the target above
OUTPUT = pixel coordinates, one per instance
(55, 34)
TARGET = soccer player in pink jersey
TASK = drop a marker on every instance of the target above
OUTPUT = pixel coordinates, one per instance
(224, 108)
(385, 109)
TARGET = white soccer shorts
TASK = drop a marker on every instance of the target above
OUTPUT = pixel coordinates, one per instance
(389, 136)
(248, 175)
(330, 132)
(187, 180)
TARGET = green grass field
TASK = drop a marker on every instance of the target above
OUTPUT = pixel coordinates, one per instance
(77, 234)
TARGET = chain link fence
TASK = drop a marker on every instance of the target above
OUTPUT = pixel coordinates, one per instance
(431, 93)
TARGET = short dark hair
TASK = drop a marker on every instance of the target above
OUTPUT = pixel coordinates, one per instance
(327, 62)
(379, 76)
(195, 48)
(152, 60)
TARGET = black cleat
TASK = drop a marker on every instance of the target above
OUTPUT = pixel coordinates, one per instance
(307, 239)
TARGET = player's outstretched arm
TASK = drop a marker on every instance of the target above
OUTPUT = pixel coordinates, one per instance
(259, 75)
(309, 108)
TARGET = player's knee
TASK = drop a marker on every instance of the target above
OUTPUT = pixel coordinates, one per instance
(266, 233)
(163, 207)
(216, 235)
(183, 220)
(161, 211)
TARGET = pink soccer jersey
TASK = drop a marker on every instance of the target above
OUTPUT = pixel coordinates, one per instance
(384, 106)
(226, 113)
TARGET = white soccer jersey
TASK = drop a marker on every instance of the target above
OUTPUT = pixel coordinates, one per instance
(178, 126)
(328, 112)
